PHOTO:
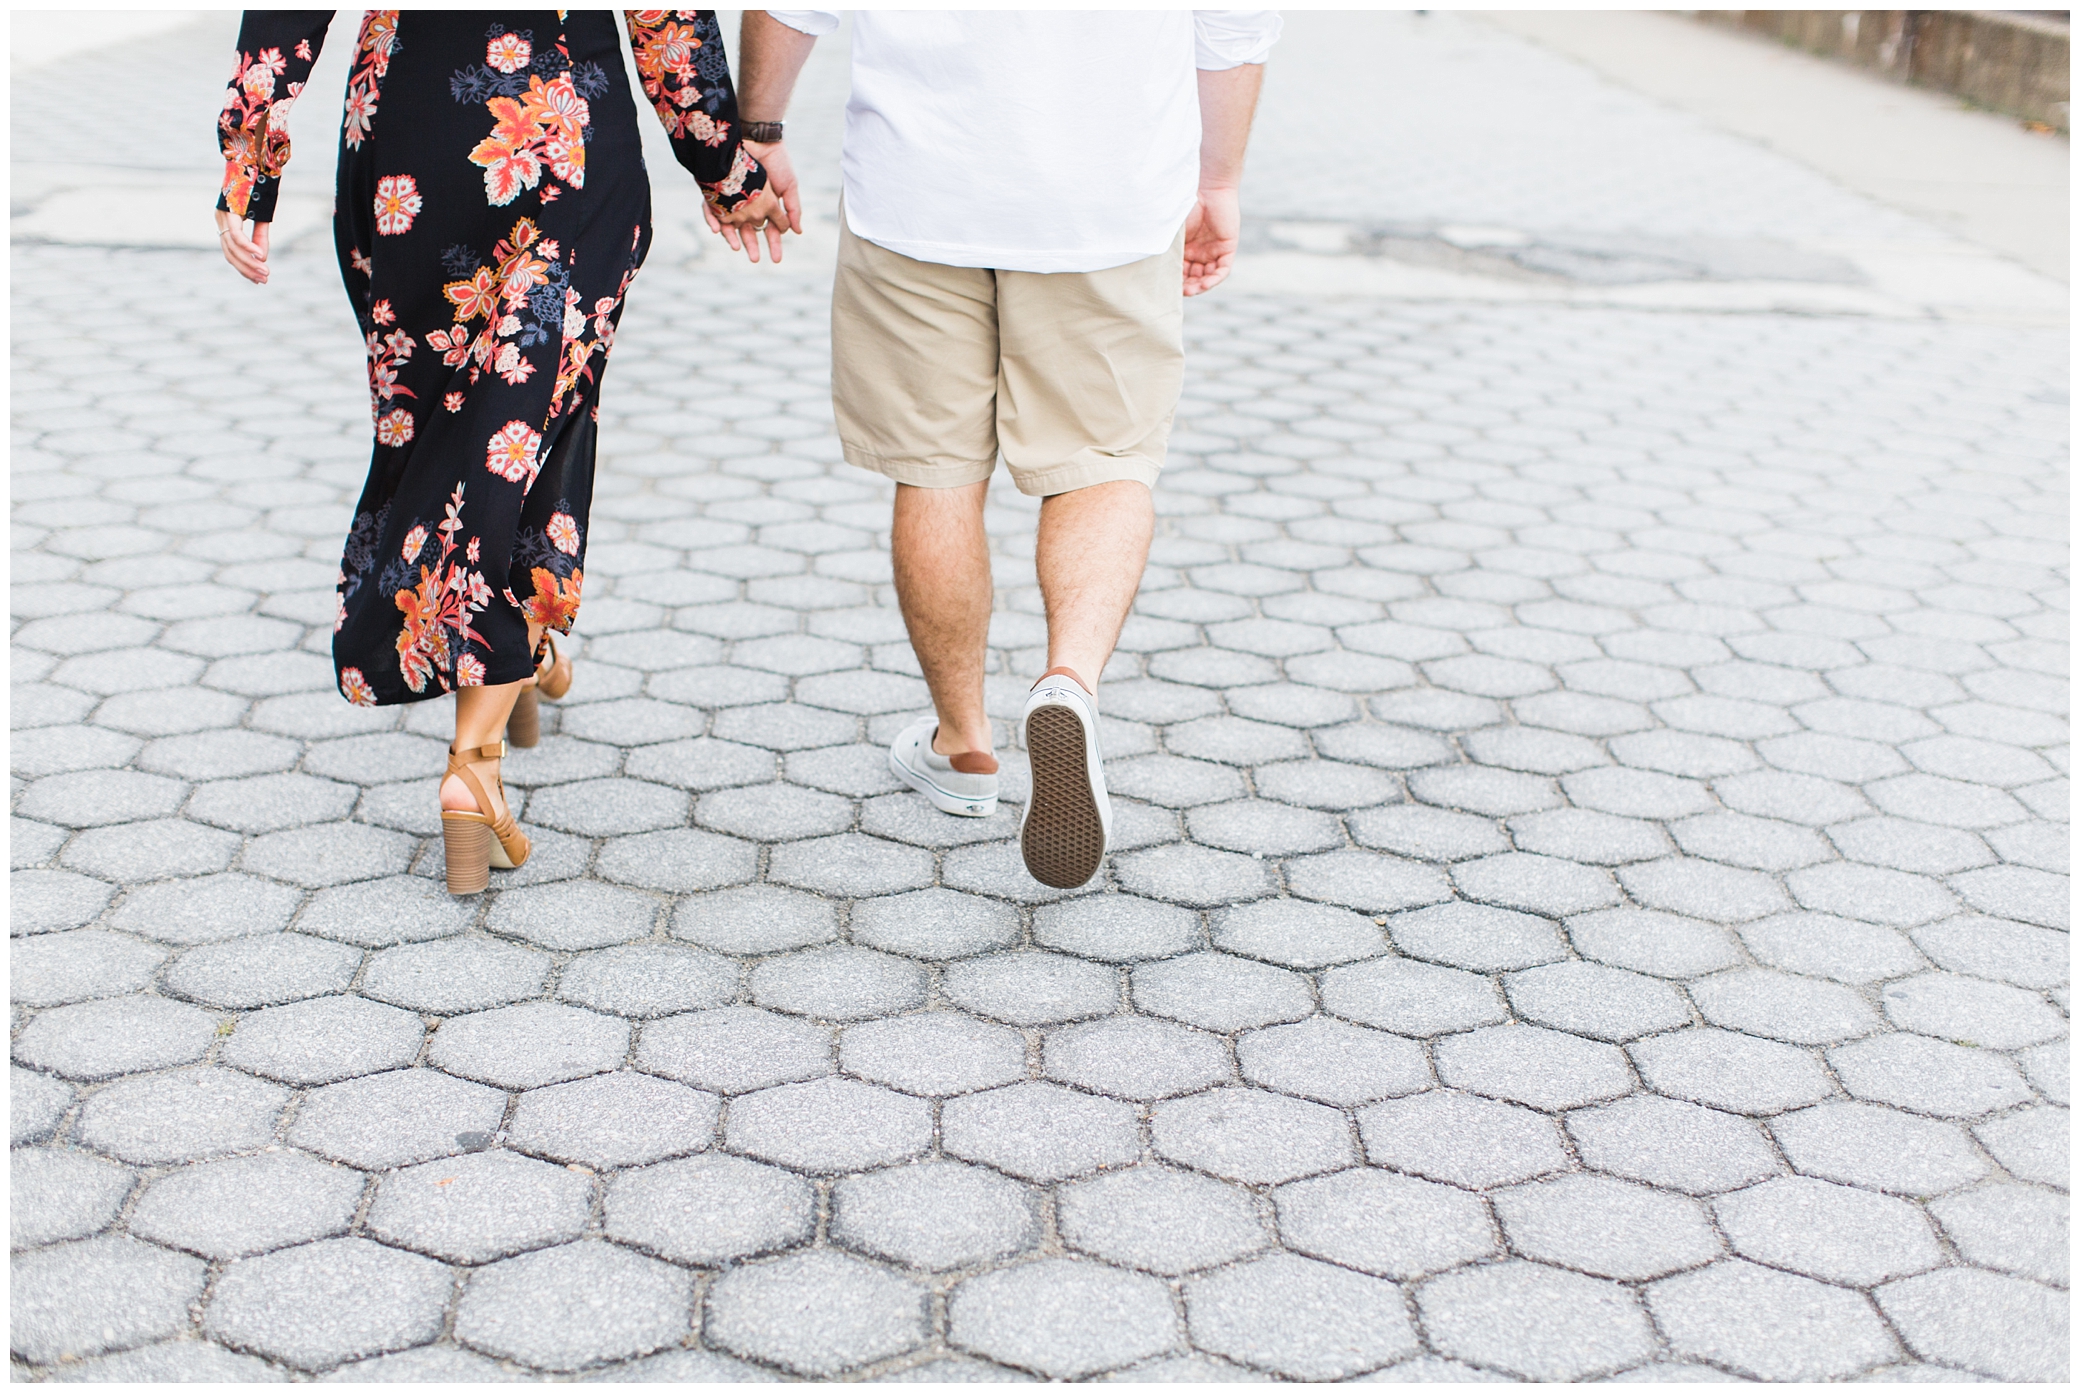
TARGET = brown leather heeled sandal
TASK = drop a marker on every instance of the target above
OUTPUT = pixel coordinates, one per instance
(552, 675)
(475, 842)
(552, 679)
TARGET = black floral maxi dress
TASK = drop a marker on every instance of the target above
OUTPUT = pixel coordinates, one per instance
(491, 210)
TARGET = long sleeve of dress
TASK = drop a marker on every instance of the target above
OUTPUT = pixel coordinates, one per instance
(685, 72)
(276, 49)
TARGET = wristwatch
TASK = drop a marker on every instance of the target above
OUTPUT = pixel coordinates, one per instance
(762, 132)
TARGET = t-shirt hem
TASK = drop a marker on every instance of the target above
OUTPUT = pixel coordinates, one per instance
(1080, 259)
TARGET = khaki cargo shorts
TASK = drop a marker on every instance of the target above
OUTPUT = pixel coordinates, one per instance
(1073, 376)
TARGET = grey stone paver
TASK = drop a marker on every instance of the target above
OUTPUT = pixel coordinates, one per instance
(1589, 791)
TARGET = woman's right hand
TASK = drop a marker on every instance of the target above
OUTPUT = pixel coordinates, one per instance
(247, 255)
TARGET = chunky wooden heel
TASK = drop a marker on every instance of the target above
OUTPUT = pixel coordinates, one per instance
(552, 675)
(467, 840)
(524, 726)
(498, 841)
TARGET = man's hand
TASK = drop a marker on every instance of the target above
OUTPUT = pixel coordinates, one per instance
(1210, 235)
(741, 225)
(247, 255)
(1227, 102)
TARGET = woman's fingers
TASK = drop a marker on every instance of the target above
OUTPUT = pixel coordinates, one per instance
(247, 254)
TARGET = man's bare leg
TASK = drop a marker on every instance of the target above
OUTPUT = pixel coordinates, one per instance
(1093, 548)
(941, 557)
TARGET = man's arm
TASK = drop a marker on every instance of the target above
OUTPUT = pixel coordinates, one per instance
(770, 55)
(1227, 104)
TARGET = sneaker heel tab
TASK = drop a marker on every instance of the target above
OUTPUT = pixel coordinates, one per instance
(973, 762)
(1068, 672)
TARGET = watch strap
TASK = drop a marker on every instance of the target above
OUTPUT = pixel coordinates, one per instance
(763, 132)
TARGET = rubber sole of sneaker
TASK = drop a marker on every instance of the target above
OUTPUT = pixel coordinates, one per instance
(1064, 839)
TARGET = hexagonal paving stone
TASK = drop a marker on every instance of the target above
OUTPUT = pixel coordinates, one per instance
(1040, 1131)
(1301, 1318)
(1253, 1136)
(574, 915)
(1332, 1062)
(1833, 1232)
(1062, 1318)
(1218, 991)
(1116, 928)
(248, 1204)
(936, 1053)
(1294, 933)
(830, 1125)
(323, 1041)
(474, 1208)
(934, 924)
(1528, 1064)
(56, 1195)
(1461, 1140)
(106, 1039)
(394, 1119)
(1133, 1057)
(647, 980)
(1386, 1224)
(816, 1313)
(734, 1049)
(264, 970)
(454, 975)
(526, 1046)
(322, 1303)
(1606, 1227)
(838, 982)
(53, 969)
(710, 1209)
(1678, 1146)
(580, 1304)
(1769, 1324)
(1534, 1321)
(851, 865)
(755, 919)
(182, 1115)
(1412, 998)
(104, 1293)
(934, 1214)
(1160, 1220)
(614, 1120)
(1028, 988)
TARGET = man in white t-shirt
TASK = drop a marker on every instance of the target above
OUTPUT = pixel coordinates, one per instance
(1026, 194)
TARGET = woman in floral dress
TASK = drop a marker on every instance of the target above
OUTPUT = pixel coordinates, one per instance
(491, 210)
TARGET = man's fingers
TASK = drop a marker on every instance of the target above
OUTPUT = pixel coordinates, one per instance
(773, 231)
(793, 202)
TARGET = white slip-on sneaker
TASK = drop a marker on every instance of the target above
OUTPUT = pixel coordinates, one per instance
(917, 764)
(1068, 819)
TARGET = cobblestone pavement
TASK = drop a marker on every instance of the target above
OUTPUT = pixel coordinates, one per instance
(1590, 897)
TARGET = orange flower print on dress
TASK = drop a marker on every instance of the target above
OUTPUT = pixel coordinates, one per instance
(510, 453)
(554, 604)
(397, 203)
(371, 65)
(469, 671)
(395, 429)
(432, 640)
(413, 541)
(543, 126)
(453, 401)
(563, 533)
(354, 687)
(253, 131)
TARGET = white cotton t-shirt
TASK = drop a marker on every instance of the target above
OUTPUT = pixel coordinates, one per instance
(1029, 140)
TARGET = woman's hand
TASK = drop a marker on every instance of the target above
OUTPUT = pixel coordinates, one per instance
(247, 255)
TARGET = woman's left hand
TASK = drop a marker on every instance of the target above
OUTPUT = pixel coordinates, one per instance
(247, 254)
